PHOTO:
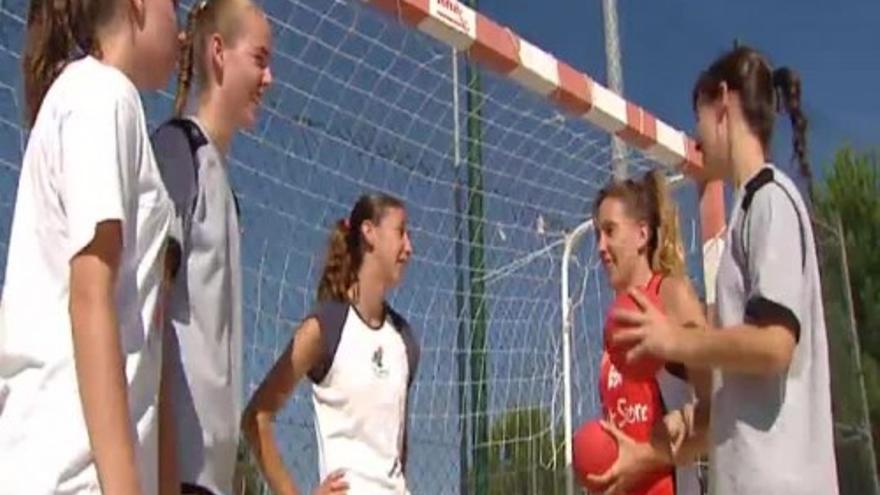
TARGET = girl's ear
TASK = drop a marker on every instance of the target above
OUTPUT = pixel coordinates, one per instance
(216, 51)
(368, 231)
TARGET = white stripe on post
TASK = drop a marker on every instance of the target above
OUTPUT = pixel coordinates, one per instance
(452, 23)
(538, 69)
(609, 109)
(670, 145)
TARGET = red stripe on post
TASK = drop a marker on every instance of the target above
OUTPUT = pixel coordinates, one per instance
(411, 12)
(648, 137)
(495, 46)
(575, 91)
(641, 127)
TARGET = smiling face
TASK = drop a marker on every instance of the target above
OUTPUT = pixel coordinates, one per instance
(245, 68)
(228, 48)
(621, 240)
(389, 244)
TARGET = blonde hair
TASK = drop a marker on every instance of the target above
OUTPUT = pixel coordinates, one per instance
(206, 18)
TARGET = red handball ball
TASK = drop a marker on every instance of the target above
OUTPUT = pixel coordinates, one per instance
(595, 451)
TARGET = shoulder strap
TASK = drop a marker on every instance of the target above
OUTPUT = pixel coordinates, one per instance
(764, 178)
(654, 284)
(331, 317)
(192, 131)
(194, 136)
(409, 341)
(197, 139)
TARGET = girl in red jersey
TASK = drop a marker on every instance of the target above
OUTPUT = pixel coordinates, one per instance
(648, 406)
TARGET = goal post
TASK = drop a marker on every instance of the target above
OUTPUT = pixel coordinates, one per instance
(579, 96)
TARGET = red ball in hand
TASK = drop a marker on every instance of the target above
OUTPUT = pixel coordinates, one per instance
(595, 451)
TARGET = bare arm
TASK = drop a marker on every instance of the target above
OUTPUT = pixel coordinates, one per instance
(100, 367)
(259, 415)
(752, 349)
(169, 478)
(764, 348)
(775, 266)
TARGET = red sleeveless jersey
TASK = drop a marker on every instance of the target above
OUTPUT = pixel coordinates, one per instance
(634, 404)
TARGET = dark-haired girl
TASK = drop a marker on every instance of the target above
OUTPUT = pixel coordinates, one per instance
(771, 426)
(360, 356)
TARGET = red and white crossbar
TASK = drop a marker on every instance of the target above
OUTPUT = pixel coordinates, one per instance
(499, 48)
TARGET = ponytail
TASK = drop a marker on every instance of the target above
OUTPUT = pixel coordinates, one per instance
(667, 257)
(185, 63)
(763, 92)
(346, 247)
(339, 273)
(648, 200)
(788, 89)
(57, 31)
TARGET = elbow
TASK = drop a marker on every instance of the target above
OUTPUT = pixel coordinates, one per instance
(254, 422)
(777, 363)
(249, 426)
(778, 359)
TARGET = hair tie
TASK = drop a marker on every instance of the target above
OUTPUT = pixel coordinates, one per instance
(346, 224)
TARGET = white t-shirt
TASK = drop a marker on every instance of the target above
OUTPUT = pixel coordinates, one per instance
(88, 160)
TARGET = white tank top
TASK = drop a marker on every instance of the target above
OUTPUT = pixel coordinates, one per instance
(360, 398)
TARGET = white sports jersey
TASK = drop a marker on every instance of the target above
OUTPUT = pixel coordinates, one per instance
(88, 160)
(360, 398)
(205, 306)
(773, 434)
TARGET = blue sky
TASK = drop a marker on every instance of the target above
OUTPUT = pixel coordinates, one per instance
(834, 45)
(665, 43)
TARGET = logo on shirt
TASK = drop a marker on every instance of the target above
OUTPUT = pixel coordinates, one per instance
(378, 365)
(614, 378)
(626, 413)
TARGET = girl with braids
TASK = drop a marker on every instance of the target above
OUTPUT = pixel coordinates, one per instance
(771, 428)
(360, 356)
(225, 59)
(639, 243)
(81, 349)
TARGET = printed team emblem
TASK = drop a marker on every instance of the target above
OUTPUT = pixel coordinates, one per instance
(614, 378)
(378, 366)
